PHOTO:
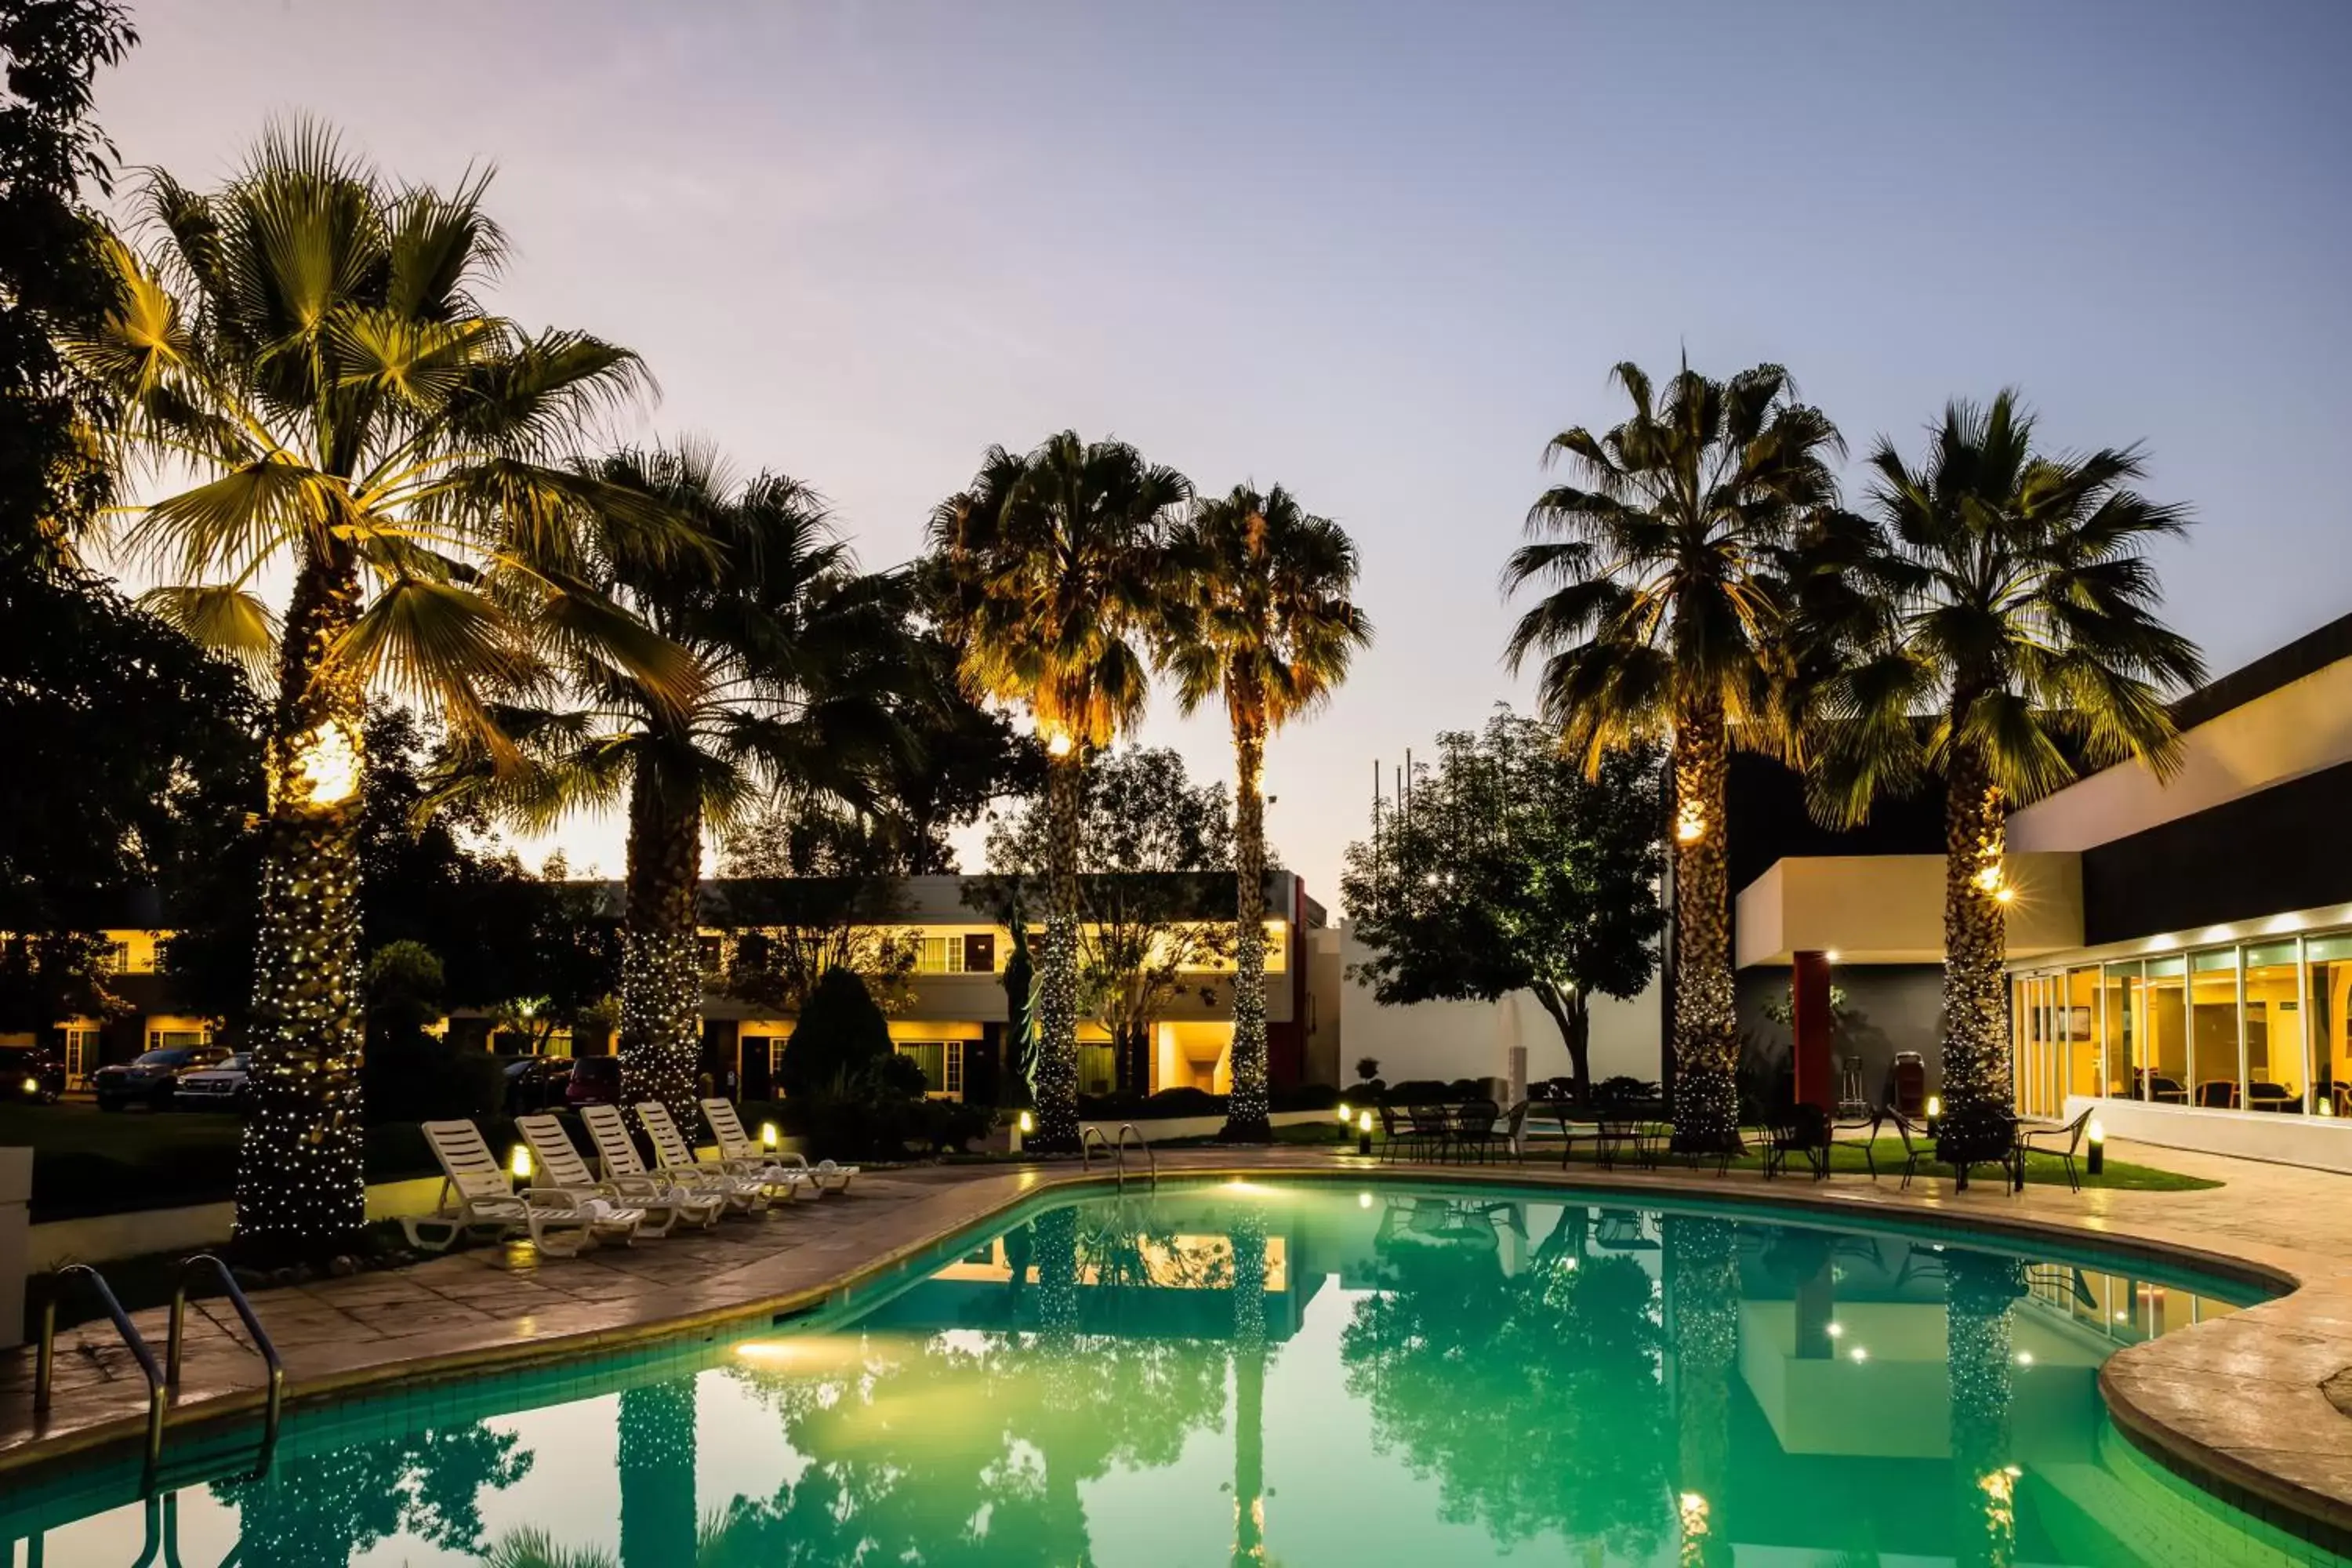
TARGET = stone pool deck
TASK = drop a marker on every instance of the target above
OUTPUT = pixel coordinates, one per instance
(2260, 1401)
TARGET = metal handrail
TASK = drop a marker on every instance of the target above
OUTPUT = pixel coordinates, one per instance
(1142, 1142)
(262, 1344)
(45, 1364)
(1088, 1136)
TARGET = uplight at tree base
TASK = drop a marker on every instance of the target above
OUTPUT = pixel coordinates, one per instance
(325, 766)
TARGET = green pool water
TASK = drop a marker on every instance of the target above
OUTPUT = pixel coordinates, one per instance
(1296, 1375)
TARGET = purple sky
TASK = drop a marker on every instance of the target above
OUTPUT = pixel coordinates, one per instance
(1380, 253)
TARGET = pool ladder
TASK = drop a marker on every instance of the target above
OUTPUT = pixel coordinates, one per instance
(1116, 1150)
(163, 1383)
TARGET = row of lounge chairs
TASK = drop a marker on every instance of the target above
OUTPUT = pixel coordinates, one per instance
(570, 1208)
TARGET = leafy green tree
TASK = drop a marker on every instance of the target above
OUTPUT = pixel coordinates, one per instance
(134, 758)
(1049, 567)
(1515, 869)
(325, 1508)
(2009, 594)
(813, 887)
(1152, 849)
(53, 275)
(1667, 566)
(310, 342)
(1262, 616)
(795, 652)
(840, 1037)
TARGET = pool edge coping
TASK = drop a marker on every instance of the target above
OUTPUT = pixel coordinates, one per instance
(2318, 1508)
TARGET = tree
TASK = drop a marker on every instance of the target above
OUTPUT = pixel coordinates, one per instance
(1261, 615)
(309, 341)
(811, 888)
(1515, 869)
(961, 758)
(1668, 567)
(2008, 595)
(1050, 572)
(795, 652)
(52, 273)
(840, 1038)
(1152, 846)
(133, 760)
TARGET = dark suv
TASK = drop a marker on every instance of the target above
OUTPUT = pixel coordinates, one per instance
(30, 1073)
(153, 1078)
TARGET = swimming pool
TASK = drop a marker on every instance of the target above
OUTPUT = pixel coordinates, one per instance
(1303, 1373)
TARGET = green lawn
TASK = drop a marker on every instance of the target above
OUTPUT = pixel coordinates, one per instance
(86, 1160)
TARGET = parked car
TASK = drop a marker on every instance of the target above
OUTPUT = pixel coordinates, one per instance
(537, 1083)
(151, 1080)
(225, 1087)
(30, 1073)
(595, 1080)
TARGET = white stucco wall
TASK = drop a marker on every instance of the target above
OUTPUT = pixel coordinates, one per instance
(1473, 1040)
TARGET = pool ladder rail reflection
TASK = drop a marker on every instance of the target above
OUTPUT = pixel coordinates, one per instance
(164, 1383)
(1116, 1150)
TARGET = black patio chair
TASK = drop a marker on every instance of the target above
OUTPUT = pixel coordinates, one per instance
(1617, 1135)
(1802, 1130)
(1392, 1134)
(2062, 1143)
(1870, 1124)
(1430, 1128)
(1473, 1128)
(1916, 1145)
(1513, 1132)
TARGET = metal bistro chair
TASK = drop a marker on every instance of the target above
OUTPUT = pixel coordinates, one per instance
(1916, 1145)
(1392, 1133)
(1612, 1136)
(1473, 1127)
(1794, 1132)
(1430, 1129)
(1513, 1132)
(2060, 1142)
(1870, 1124)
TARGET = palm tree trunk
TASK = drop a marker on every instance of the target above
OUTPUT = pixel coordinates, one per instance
(661, 967)
(1246, 1106)
(656, 1472)
(1706, 1027)
(1058, 969)
(1976, 945)
(302, 1180)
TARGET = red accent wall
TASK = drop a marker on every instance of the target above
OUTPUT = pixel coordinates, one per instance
(1285, 1044)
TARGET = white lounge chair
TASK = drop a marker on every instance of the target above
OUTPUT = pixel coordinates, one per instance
(477, 1198)
(617, 1156)
(674, 1157)
(738, 1152)
(560, 1168)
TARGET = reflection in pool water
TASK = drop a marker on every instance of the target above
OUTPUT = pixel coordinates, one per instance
(1246, 1375)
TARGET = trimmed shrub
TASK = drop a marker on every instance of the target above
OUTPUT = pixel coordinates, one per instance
(840, 1038)
(1316, 1096)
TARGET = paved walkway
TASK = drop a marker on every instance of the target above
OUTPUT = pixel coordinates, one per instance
(2257, 1398)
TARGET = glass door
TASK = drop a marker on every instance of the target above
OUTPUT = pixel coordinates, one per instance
(82, 1056)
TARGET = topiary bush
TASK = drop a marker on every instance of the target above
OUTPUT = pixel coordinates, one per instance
(840, 1038)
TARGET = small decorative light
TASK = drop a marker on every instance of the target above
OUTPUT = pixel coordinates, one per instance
(1831, 956)
(1835, 1330)
(769, 1137)
(519, 1162)
(2007, 895)
(32, 1086)
(1934, 1106)
(2096, 1132)
(1364, 1122)
(2326, 1107)
(1059, 744)
(2025, 1358)
(1346, 1115)
(1690, 825)
(1028, 1122)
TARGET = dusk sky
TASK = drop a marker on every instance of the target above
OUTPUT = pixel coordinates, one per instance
(1381, 253)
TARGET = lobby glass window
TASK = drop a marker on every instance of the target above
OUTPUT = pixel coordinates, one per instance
(2119, 1028)
(2079, 1029)
(2274, 1048)
(2327, 993)
(2213, 1027)
(2166, 1015)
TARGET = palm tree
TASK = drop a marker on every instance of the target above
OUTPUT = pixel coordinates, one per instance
(309, 341)
(795, 654)
(1666, 621)
(2007, 598)
(1260, 614)
(1049, 568)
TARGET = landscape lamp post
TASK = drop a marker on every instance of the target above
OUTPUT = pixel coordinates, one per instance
(1364, 1132)
(2096, 1132)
